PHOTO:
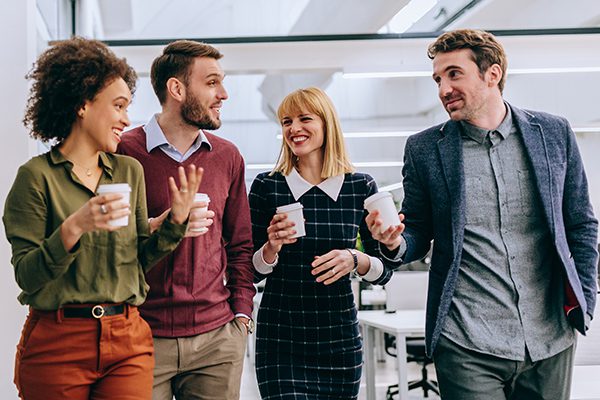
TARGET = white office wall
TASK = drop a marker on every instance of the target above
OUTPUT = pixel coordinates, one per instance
(589, 147)
(17, 30)
(18, 33)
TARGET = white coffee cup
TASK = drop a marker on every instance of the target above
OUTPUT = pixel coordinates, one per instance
(294, 214)
(384, 203)
(201, 197)
(120, 188)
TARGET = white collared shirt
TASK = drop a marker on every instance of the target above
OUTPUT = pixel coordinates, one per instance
(299, 186)
(155, 137)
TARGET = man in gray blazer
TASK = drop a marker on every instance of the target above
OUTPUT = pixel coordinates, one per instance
(502, 193)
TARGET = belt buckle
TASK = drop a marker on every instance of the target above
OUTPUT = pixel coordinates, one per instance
(98, 311)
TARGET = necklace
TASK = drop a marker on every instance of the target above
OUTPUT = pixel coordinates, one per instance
(88, 171)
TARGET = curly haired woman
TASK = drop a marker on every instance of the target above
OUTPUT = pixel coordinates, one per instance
(82, 276)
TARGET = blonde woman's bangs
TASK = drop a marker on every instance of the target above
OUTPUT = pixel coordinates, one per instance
(295, 104)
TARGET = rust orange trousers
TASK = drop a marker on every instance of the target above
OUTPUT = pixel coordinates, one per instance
(62, 358)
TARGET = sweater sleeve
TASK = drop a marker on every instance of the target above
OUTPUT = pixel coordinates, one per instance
(260, 216)
(152, 248)
(238, 236)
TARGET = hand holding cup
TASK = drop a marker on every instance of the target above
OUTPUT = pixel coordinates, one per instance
(182, 198)
(286, 226)
(281, 231)
(383, 221)
(107, 212)
(390, 237)
(200, 217)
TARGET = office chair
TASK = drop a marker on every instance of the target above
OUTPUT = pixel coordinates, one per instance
(415, 350)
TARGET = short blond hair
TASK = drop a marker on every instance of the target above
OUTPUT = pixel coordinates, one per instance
(314, 100)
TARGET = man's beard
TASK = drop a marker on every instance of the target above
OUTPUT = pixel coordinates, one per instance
(194, 114)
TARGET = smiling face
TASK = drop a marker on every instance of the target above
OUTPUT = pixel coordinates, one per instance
(105, 117)
(465, 93)
(204, 94)
(303, 133)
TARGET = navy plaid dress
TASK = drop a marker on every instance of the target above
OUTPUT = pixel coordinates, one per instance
(308, 343)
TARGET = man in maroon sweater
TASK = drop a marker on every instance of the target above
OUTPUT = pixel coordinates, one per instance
(200, 299)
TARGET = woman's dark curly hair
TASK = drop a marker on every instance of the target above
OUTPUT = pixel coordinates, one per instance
(65, 76)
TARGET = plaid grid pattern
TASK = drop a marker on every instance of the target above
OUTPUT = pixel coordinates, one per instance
(308, 343)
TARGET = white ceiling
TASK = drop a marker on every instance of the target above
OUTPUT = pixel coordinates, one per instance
(286, 66)
(260, 74)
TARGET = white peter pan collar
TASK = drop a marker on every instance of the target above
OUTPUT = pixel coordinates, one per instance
(298, 185)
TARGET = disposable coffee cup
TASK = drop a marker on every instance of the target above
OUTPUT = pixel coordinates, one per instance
(201, 197)
(384, 203)
(294, 214)
(120, 188)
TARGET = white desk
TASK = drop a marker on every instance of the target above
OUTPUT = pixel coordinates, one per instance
(402, 323)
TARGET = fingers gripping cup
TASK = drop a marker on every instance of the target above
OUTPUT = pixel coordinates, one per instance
(120, 188)
(294, 214)
(384, 203)
(204, 198)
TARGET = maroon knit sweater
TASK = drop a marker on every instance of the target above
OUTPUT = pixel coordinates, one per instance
(187, 291)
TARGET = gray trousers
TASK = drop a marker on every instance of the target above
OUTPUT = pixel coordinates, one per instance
(464, 374)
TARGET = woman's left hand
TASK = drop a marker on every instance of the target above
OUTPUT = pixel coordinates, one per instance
(332, 266)
(182, 198)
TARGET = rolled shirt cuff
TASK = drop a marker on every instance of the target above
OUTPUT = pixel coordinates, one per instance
(261, 266)
(375, 270)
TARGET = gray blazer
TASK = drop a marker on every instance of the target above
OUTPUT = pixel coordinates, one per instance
(434, 207)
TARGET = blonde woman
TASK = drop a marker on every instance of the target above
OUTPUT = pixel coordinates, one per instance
(308, 343)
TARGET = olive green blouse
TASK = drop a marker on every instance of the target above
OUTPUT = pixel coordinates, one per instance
(103, 267)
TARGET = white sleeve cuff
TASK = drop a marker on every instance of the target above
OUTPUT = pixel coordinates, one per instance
(375, 270)
(261, 266)
(399, 254)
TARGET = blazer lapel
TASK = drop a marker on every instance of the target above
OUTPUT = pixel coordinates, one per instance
(535, 148)
(450, 150)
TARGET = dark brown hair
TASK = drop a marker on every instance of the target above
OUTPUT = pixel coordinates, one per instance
(65, 76)
(176, 61)
(486, 50)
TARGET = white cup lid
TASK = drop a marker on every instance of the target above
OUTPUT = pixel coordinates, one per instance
(201, 197)
(289, 207)
(375, 197)
(113, 188)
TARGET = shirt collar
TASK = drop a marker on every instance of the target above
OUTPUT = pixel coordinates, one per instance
(56, 157)
(505, 127)
(299, 186)
(478, 134)
(155, 136)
